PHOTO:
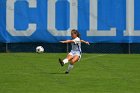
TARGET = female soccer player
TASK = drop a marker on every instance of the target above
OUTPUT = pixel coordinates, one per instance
(75, 54)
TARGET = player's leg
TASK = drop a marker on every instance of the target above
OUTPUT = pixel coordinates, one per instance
(73, 61)
(66, 60)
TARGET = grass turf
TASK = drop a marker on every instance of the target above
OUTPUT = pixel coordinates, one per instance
(95, 73)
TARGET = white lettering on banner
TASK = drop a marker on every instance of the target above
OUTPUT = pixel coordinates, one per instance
(51, 18)
(93, 22)
(10, 19)
(93, 27)
(130, 20)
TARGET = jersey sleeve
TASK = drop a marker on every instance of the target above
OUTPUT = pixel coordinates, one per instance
(76, 40)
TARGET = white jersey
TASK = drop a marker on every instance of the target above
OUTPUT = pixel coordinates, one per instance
(76, 46)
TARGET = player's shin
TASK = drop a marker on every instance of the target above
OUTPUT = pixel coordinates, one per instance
(69, 67)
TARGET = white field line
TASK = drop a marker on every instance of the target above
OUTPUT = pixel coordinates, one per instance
(87, 58)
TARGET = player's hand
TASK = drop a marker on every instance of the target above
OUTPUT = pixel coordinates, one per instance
(87, 43)
(62, 41)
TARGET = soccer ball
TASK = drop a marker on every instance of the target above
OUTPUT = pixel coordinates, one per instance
(39, 49)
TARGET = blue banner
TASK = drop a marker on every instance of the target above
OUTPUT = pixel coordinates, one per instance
(108, 21)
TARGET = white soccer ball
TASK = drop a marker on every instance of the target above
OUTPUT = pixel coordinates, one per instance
(39, 49)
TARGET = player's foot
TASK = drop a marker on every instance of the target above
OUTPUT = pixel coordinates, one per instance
(66, 72)
(61, 62)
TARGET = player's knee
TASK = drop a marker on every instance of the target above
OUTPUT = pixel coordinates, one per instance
(72, 62)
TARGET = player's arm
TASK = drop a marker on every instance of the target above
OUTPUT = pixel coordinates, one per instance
(67, 41)
(86, 42)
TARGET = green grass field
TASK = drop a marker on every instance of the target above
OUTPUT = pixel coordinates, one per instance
(95, 73)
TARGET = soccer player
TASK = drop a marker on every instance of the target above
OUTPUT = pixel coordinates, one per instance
(75, 54)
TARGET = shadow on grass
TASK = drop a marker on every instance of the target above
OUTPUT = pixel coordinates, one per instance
(56, 73)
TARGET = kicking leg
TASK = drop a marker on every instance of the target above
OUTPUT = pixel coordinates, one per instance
(66, 60)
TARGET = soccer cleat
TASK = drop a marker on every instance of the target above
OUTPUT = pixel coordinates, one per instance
(66, 72)
(61, 62)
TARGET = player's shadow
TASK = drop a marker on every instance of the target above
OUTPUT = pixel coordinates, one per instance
(56, 73)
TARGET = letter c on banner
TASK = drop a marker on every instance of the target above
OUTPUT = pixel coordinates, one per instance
(10, 19)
